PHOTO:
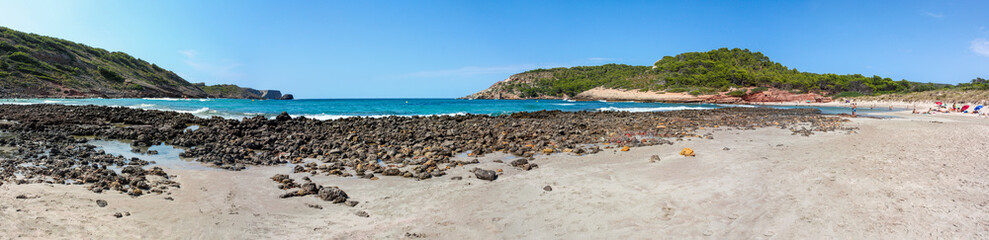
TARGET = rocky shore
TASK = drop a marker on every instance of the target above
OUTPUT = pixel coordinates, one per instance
(43, 143)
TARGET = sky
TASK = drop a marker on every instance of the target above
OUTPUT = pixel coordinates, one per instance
(445, 49)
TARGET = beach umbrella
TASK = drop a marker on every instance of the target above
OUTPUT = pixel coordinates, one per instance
(964, 108)
(977, 108)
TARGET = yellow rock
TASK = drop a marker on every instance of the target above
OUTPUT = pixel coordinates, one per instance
(548, 150)
(625, 149)
(687, 152)
(374, 178)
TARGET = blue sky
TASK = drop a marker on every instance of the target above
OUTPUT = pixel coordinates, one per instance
(371, 49)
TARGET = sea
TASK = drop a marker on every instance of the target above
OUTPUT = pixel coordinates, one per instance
(328, 109)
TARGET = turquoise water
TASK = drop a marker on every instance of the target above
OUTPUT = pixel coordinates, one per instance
(338, 108)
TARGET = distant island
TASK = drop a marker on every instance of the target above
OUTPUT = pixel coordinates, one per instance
(722, 75)
(35, 66)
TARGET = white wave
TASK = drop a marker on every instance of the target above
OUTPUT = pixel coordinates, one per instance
(564, 104)
(737, 105)
(51, 101)
(179, 99)
(602, 100)
(323, 116)
(652, 109)
(197, 111)
(143, 106)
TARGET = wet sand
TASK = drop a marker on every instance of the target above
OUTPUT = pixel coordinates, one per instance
(908, 177)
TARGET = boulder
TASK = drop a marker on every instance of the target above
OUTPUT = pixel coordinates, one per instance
(332, 194)
(485, 174)
(283, 117)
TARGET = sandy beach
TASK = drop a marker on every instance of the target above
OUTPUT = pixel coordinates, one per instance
(911, 176)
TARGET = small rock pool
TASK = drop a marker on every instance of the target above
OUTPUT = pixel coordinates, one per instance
(167, 157)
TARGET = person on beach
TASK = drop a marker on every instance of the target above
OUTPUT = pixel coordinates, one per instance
(853, 109)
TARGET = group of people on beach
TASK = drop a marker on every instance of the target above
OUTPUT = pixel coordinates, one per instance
(940, 107)
(954, 108)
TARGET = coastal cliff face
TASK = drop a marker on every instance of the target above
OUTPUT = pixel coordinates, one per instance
(35, 66)
(509, 88)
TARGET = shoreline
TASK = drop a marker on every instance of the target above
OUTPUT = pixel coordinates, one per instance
(770, 181)
(758, 188)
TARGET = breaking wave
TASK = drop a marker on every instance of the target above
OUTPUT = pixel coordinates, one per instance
(650, 109)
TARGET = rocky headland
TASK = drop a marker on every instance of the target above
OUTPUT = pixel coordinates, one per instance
(36, 66)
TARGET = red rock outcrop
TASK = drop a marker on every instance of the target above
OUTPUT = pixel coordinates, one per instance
(776, 95)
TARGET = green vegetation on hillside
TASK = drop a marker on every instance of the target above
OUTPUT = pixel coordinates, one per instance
(225, 90)
(704, 72)
(32, 62)
(32, 65)
(574, 80)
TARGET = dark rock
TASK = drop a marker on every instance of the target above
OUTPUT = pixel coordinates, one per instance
(362, 214)
(287, 97)
(485, 174)
(391, 172)
(101, 203)
(279, 178)
(316, 206)
(308, 188)
(283, 117)
(118, 215)
(547, 188)
(654, 158)
(288, 195)
(519, 162)
(456, 178)
(332, 194)
(350, 203)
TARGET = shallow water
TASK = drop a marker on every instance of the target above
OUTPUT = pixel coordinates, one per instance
(325, 109)
(167, 157)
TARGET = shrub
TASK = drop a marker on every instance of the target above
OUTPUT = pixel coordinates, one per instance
(759, 89)
(848, 94)
(133, 86)
(677, 90)
(110, 75)
(695, 92)
(738, 93)
(22, 57)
